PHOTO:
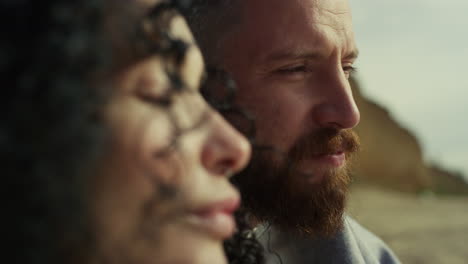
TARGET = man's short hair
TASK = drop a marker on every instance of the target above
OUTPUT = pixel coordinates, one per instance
(210, 22)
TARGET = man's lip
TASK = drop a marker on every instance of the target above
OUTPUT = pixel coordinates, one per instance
(216, 218)
(336, 159)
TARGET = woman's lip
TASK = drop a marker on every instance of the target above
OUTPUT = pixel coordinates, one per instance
(227, 205)
(216, 218)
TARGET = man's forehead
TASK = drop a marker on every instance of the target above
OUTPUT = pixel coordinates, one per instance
(337, 19)
(330, 7)
(311, 45)
(284, 7)
(280, 22)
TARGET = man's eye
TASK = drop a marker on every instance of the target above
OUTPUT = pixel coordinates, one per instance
(295, 69)
(349, 70)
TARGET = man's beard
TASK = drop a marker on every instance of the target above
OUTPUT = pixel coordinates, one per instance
(277, 192)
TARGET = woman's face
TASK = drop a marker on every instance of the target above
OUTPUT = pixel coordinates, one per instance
(158, 202)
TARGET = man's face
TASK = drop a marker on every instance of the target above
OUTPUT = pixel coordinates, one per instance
(291, 61)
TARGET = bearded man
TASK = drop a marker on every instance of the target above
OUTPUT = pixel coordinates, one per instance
(291, 60)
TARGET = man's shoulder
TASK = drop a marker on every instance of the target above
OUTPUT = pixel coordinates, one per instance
(365, 244)
(353, 245)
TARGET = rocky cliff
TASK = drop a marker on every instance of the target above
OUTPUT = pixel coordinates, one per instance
(391, 155)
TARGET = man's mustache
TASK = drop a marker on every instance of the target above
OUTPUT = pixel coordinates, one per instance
(326, 141)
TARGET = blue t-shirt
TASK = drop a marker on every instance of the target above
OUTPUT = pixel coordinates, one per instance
(353, 245)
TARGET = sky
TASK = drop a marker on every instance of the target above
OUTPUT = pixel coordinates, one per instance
(414, 61)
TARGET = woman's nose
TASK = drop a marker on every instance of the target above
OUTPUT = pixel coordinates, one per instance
(225, 150)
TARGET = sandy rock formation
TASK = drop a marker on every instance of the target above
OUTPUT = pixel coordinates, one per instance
(392, 157)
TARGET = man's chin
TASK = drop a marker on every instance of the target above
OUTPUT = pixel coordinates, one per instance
(316, 170)
(315, 178)
(304, 190)
(316, 204)
(294, 201)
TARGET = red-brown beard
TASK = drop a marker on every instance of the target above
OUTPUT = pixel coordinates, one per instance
(276, 192)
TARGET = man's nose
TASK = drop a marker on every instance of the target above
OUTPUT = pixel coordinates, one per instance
(225, 150)
(337, 108)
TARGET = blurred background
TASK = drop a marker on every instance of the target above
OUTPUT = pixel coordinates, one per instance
(411, 184)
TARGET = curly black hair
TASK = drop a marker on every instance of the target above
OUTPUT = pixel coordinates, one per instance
(216, 17)
(51, 131)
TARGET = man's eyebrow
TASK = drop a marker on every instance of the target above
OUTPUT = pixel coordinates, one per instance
(305, 55)
(293, 55)
(354, 54)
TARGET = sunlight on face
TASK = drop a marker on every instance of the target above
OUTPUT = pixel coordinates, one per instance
(295, 86)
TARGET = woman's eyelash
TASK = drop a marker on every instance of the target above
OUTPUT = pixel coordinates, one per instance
(163, 101)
